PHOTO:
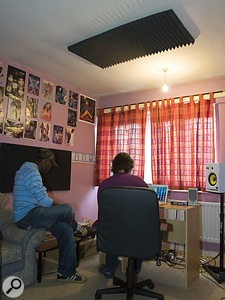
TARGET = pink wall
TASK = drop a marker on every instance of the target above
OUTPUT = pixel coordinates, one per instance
(82, 195)
(205, 86)
(220, 125)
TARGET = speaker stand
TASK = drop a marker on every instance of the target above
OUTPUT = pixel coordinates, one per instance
(218, 273)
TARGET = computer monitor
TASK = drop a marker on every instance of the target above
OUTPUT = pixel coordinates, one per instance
(161, 191)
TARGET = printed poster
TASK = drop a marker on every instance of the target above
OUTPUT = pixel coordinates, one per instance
(30, 129)
(57, 136)
(1, 96)
(60, 95)
(33, 85)
(46, 111)
(72, 118)
(1, 121)
(44, 132)
(14, 109)
(47, 90)
(13, 129)
(69, 136)
(73, 99)
(15, 83)
(87, 109)
(31, 107)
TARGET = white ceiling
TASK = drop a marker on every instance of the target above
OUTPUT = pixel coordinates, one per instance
(36, 34)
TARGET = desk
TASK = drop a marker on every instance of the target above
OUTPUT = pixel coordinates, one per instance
(187, 232)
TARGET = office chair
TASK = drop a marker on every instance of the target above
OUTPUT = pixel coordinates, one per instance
(128, 225)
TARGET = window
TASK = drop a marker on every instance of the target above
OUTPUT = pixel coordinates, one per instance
(170, 143)
(182, 139)
(120, 131)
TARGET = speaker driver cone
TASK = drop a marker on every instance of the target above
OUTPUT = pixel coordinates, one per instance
(212, 179)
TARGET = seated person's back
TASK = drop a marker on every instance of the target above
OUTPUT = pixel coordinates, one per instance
(122, 165)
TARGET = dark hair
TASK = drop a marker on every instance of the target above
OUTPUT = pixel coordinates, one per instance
(122, 161)
(46, 154)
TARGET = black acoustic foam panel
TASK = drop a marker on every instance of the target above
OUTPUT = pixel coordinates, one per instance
(146, 36)
(13, 156)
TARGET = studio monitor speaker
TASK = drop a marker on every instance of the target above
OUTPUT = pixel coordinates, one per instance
(192, 196)
(215, 177)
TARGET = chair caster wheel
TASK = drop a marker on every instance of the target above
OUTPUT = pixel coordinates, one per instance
(151, 286)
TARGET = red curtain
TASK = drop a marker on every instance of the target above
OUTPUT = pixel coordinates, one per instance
(182, 141)
(120, 131)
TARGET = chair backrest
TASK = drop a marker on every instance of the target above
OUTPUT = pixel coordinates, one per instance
(128, 222)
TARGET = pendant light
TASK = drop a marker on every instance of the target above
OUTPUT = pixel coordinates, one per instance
(165, 86)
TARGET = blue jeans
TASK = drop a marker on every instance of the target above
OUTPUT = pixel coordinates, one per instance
(57, 220)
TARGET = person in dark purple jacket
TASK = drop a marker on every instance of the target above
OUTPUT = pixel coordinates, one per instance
(122, 165)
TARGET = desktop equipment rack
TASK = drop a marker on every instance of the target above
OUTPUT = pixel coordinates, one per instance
(218, 273)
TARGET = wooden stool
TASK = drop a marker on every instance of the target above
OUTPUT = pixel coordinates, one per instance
(50, 243)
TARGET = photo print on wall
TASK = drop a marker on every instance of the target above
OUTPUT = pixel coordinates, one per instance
(13, 129)
(31, 107)
(73, 99)
(1, 72)
(15, 83)
(46, 111)
(69, 136)
(1, 121)
(30, 129)
(47, 90)
(72, 118)
(1, 96)
(60, 95)
(87, 109)
(44, 132)
(57, 136)
(29, 111)
(14, 109)
(33, 85)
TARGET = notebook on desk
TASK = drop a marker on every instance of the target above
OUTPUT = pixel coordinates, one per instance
(161, 191)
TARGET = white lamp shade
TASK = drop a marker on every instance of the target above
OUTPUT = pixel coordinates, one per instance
(165, 87)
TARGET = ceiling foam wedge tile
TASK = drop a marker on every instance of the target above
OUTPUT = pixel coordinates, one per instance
(147, 36)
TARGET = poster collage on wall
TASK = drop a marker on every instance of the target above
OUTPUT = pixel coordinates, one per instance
(28, 112)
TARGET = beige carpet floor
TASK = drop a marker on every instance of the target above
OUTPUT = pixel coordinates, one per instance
(168, 281)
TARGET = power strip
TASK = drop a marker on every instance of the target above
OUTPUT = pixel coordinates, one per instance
(181, 203)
